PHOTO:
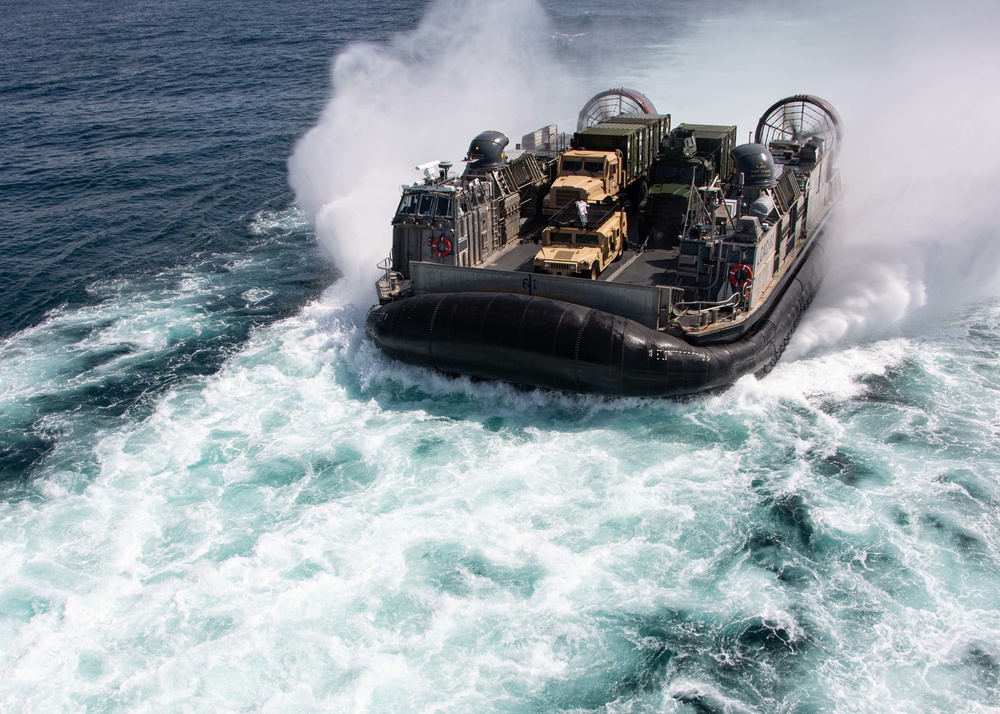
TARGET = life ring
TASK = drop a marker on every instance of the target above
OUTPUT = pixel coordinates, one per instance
(441, 246)
(740, 276)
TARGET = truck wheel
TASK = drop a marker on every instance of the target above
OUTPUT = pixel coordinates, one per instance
(639, 193)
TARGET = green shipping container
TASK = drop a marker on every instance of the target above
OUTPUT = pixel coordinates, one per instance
(637, 136)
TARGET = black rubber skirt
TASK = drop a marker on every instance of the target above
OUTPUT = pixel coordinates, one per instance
(547, 343)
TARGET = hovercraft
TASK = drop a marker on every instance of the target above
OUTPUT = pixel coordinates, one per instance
(633, 258)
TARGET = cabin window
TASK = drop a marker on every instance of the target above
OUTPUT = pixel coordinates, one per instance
(568, 165)
(408, 205)
(427, 205)
(444, 207)
(587, 239)
(594, 167)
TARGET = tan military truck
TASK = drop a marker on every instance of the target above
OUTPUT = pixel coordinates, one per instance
(582, 240)
(592, 176)
(607, 159)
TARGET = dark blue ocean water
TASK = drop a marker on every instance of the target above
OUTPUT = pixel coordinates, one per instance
(144, 139)
(216, 495)
(136, 137)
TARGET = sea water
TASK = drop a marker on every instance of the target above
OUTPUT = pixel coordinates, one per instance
(217, 495)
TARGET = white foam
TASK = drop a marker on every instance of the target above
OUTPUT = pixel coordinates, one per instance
(287, 512)
(283, 222)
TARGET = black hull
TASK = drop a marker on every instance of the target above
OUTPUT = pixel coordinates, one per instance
(547, 343)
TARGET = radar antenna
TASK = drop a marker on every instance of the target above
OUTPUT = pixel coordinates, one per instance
(800, 118)
(612, 102)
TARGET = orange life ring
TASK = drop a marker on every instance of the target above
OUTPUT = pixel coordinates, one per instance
(441, 246)
(740, 276)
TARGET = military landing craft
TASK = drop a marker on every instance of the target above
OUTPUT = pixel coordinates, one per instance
(633, 258)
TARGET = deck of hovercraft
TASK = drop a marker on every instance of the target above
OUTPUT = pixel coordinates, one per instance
(655, 267)
(649, 267)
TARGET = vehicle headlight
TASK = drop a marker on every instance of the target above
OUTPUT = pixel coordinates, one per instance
(547, 266)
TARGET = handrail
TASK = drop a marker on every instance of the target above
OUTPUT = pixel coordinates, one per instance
(731, 301)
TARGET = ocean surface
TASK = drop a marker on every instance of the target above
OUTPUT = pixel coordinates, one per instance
(217, 496)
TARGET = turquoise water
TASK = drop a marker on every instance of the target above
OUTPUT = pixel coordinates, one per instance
(313, 527)
(219, 496)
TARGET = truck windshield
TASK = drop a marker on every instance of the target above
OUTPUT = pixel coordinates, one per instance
(666, 205)
(568, 165)
(594, 167)
(673, 174)
(587, 239)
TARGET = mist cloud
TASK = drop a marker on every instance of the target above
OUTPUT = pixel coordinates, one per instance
(466, 67)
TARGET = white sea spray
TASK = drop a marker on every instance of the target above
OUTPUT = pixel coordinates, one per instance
(463, 69)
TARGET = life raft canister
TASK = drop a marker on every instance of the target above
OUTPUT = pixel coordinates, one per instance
(740, 276)
(441, 246)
